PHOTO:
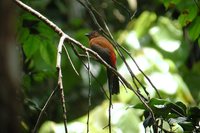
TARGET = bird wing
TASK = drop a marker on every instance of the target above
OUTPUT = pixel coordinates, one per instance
(103, 52)
(113, 80)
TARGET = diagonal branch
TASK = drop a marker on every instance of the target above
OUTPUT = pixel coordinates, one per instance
(39, 16)
(92, 11)
(65, 37)
(43, 109)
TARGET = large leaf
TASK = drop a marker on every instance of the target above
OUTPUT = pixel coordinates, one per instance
(194, 29)
(48, 53)
(188, 15)
(31, 45)
(163, 107)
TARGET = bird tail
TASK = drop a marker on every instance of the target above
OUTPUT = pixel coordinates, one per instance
(113, 82)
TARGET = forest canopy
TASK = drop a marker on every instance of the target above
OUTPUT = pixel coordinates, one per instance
(157, 45)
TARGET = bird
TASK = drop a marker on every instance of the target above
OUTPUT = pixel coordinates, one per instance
(105, 50)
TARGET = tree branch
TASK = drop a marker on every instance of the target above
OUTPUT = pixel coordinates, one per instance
(43, 109)
(65, 37)
(60, 83)
(39, 16)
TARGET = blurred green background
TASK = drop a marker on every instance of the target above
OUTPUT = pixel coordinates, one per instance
(163, 37)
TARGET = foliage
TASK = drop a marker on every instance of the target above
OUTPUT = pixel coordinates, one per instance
(163, 38)
(172, 113)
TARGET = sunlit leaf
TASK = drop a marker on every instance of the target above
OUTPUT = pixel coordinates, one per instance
(167, 35)
(194, 29)
(187, 16)
(142, 25)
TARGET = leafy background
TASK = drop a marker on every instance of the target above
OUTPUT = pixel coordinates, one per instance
(163, 37)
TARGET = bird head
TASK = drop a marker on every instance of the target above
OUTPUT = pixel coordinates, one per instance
(92, 34)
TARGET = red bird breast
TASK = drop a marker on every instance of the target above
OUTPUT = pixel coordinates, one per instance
(105, 44)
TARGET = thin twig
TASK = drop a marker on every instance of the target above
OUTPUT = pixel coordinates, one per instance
(70, 60)
(43, 109)
(109, 36)
(116, 45)
(89, 92)
(124, 8)
(91, 9)
(79, 56)
(109, 112)
(93, 16)
(128, 53)
(196, 4)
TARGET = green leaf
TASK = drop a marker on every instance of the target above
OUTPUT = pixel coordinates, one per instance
(31, 45)
(40, 65)
(142, 25)
(170, 3)
(22, 35)
(182, 106)
(176, 109)
(160, 107)
(39, 77)
(194, 29)
(139, 106)
(44, 53)
(189, 12)
(163, 107)
(156, 101)
(48, 53)
(45, 31)
(28, 16)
